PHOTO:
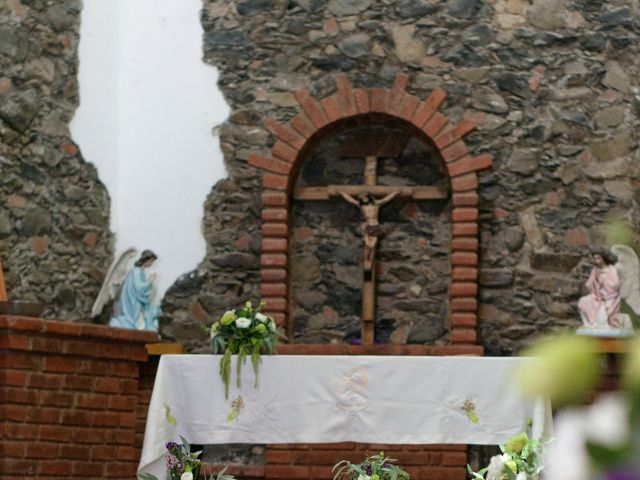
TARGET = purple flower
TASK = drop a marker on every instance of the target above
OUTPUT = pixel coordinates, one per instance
(172, 462)
(171, 445)
(622, 474)
(367, 468)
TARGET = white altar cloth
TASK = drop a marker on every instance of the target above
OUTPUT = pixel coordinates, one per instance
(325, 399)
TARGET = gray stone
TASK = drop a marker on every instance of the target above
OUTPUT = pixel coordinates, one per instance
(413, 8)
(355, 46)
(407, 48)
(617, 16)
(488, 101)
(227, 38)
(610, 117)
(547, 14)
(311, 300)
(236, 260)
(464, 8)
(554, 262)
(514, 238)
(348, 7)
(13, 43)
(561, 310)
(556, 285)
(60, 17)
(478, 35)
(621, 189)
(36, 221)
(473, 74)
(566, 94)
(524, 161)
(514, 83)
(19, 109)
(41, 68)
(426, 330)
(306, 269)
(5, 223)
(495, 277)
(616, 78)
(253, 7)
(611, 148)
(595, 42)
(612, 169)
(415, 305)
(350, 275)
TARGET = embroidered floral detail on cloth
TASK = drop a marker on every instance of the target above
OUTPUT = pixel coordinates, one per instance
(236, 407)
(470, 408)
(170, 418)
(350, 388)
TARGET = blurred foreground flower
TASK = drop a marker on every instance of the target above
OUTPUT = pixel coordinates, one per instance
(562, 368)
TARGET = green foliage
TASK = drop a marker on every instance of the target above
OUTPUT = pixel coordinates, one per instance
(375, 467)
(245, 332)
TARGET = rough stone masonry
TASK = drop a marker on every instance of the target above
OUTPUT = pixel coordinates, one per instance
(551, 85)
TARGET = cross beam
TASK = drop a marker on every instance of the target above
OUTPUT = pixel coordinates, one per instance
(415, 193)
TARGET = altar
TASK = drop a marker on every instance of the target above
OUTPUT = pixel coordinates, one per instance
(325, 399)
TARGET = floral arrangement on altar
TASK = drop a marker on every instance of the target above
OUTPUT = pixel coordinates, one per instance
(375, 467)
(183, 464)
(521, 459)
(596, 442)
(244, 332)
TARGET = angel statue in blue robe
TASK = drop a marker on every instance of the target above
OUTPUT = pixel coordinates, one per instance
(134, 308)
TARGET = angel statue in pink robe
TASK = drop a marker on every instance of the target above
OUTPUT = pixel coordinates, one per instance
(611, 280)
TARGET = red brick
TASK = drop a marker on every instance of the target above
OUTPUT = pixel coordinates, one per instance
(270, 164)
(463, 335)
(24, 468)
(76, 417)
(88, 435)
(120, 470)
(467, 289)
(464, 127)
(286, 471)
(16, 413)
(39, 245)
(13, 377)
(10, 449)
(275, 182)
(275, 304)
(60, 364)
(55, 433)
(119, 369)
(273, 290)
(465, 273)
(42, 450)
(464, 258)
(394, 100)
(129, 387)
(274, 199)
(274, 245)
(92, 401)
(446, 138)
(465, 183)
(69, 148)
(465, 229)
(469, 164)
(311, 108)
(462, 304)
(284, 151)
(49, 345)
(274, 215)
(303, 125)
(274, 230)
(273, 275)
(465, 243)
(56, 399)
(362, 100)
(278, 456)
(270, 260)
(107, 385)
(408, 107)
(286, 134)
(78, 383)
(427, 108)
(331, 108)
(58, 468)
(87, 469)
(345, 94)
(126, 453)
(464, 214)
(102, 452)
(463, 320)
(15, 395)
(438, 473)
(454, 152)
(435, 125)
(454, 458)
(467, 199)
(378, 100)
(21, 431)
(13, 341)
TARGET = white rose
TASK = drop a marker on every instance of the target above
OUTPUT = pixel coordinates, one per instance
(496, 466)
(568, 458)
(608, 421)
(262, 318)
(363, 477)
(272, 325)
(242, 322)
(186, 476)
(521, 476)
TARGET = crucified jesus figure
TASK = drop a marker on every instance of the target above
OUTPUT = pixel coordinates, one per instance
(370, 208)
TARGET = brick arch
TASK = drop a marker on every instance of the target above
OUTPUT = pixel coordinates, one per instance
(315, 117)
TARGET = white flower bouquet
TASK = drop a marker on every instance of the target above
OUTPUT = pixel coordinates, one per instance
(521, 459)
(244, 332)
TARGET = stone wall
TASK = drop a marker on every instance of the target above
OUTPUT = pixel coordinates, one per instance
(54, 212)
(551, 85)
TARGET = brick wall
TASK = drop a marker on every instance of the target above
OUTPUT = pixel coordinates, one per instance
(69, 396)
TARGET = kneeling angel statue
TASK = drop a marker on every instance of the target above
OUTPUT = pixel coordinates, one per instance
(614, 277)
(133, 291)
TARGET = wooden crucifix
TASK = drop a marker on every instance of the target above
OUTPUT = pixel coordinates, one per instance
(370, 197)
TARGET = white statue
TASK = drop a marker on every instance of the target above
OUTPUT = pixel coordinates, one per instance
(134, 291)
(615, 277)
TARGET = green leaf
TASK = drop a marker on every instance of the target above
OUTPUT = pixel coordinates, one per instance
(185, 444)
(607, 456)
(170, 418)
(473, 417)
(147, 476)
